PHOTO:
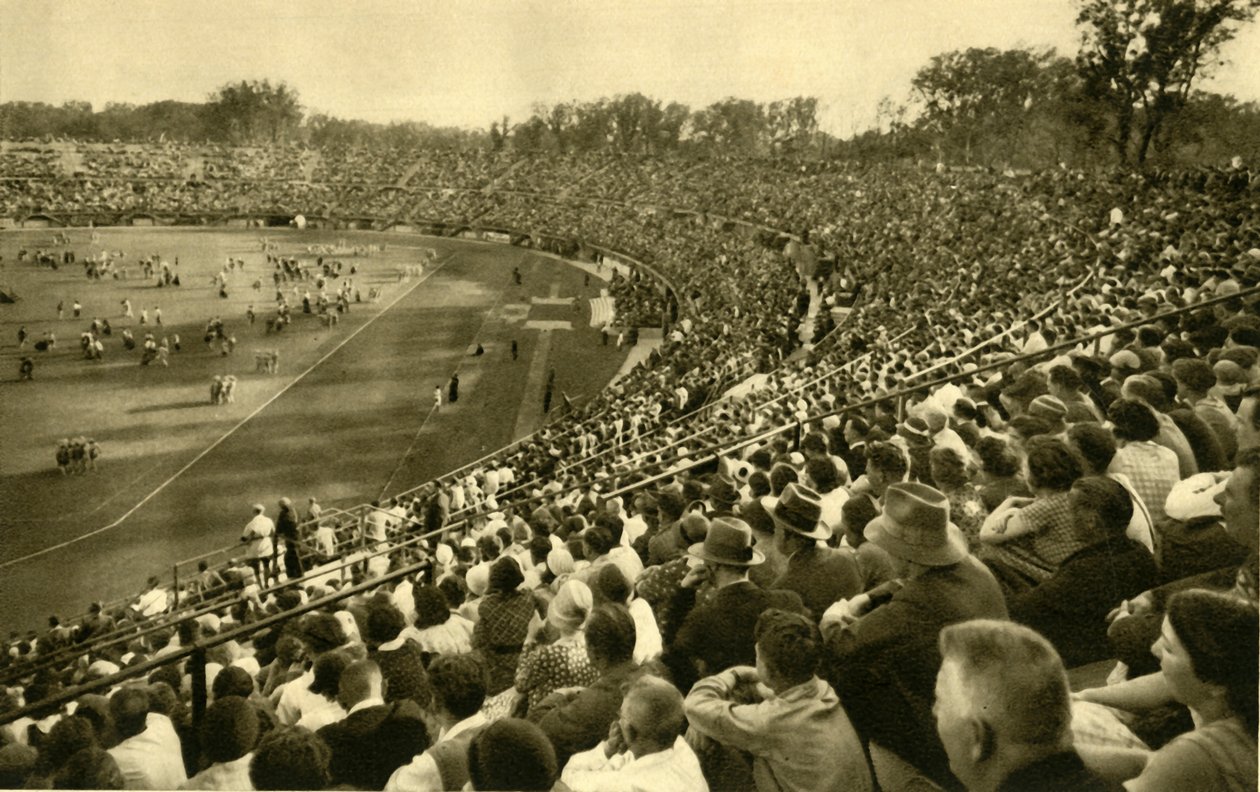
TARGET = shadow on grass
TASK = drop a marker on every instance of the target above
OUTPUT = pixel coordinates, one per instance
(183, 405)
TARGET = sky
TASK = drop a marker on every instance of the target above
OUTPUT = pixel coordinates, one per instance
(463, 63)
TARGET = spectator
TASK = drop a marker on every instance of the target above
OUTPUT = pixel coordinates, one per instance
(323, 708)
(459, 690)
(437, 630)
(512, 754)
(375, 738)
(149, 752)
(718, 634)
(90, 768)
(874, 563)
(999, 473)
(1149, 466)
(644, 750)
(1070, 608)
(400, 660)
(290, 757)
(504, 619)
(1003, 712)
(1196, 381)
(562, 662)
(799, 737)
(611, 586)
(1096, 448)
(576, 719)
(1026, 539)
(881, 654)
(820, 575)
(229, 732)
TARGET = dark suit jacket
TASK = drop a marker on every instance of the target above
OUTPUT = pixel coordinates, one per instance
(821, 575)
(370, 744)
(719, 634)
(1070, 609)
(884, 665)
(577, 722)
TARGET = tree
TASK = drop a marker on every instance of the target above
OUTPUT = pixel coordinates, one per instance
(253, 111)
(1140, 59)
(979, 94)
(793, 123)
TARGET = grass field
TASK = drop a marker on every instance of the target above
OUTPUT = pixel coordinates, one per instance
(349, 417)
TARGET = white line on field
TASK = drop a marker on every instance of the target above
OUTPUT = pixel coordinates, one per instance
(231, 431)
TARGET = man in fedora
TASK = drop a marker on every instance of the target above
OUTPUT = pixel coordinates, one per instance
(719, 634)
(821, 575)
(882, 656)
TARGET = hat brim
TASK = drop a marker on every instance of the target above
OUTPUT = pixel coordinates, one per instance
(821, 529)
(697, 551)
(948, 554)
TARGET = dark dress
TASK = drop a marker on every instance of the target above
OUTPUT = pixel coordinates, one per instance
(403, 670)
(500, 634)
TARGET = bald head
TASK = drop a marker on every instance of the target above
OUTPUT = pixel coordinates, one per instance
(360, 681)
(652, 715)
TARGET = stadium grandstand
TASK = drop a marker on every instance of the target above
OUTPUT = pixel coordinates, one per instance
(923, 476)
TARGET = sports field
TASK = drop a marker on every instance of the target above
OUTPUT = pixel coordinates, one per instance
(349, 416)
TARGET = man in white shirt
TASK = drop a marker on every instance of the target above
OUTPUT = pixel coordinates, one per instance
(644, 751)
(258, 536)
(149, 753)
(459, 690)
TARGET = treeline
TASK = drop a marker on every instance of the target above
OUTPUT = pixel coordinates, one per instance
(1127, 97)
(249, 112)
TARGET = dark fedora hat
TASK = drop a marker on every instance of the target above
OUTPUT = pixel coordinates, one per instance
(915, 526)
(729, 542)
(723, 491)
(799, 510)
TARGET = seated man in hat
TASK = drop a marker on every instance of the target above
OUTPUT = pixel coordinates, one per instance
(719, 634)
(821, 575)
(780, 713)
(881, 653)
(1003, 711)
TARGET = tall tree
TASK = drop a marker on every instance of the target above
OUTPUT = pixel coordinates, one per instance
(1140, 59)
(254, 111)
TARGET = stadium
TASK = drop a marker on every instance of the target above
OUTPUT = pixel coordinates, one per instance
(637, 446)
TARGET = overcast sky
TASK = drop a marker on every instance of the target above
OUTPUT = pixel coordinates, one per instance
(463, 63)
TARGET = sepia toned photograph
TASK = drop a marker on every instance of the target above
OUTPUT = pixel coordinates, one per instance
(652, 395)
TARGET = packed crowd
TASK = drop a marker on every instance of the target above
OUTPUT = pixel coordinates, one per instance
(891, 596)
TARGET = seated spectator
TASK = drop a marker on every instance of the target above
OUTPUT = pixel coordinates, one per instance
(320, 633)
(459, 690)
(966, 507)
(67, 737)
(90, 768)
(611, 586)
(1137, 622)
(400, 660)
(17, 763)
(1026, 539)
(821, 575)
(504, 619)
(324, 708)
(229, 732)
(881, 654)
(644, 750)
(874, 563)
(798, 735)
(437, 630)
(290, 757)
(561, 662)
(1195, 539)
(149, 753)
(1207, 657)
(512, 754)
(1070, 609)
(999, 476)
(1149, 466)
(718, 634)
(1003, 711)
(1096, 447)
(375, 738)
(576, 719)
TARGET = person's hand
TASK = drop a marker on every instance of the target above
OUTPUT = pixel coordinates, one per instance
(1140, 605)
(743, 674)
(847, 611)
(536, 624)
(616, 742)
(696, 577)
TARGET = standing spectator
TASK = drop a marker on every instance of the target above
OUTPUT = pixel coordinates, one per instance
(799, 736)
(259, 545)
(287, 529)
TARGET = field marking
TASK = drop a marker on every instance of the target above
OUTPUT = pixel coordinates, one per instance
(432, 410)
(232, 431)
